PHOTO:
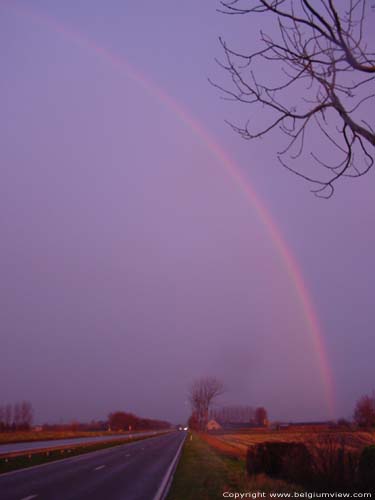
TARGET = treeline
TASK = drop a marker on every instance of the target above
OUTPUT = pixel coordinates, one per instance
(238, 413)
(117, 421)
(16, 417)
(76, 426)
(123, 421)
(19, 417)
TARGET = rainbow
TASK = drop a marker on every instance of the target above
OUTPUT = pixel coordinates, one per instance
(289, 261)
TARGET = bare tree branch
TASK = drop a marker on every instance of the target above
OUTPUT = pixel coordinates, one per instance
(322, 59)
(202, 393)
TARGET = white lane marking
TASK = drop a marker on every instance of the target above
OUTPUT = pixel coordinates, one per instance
(166, 482)
(29, 497)
(99, 467)
(127, 455)
(78, 458)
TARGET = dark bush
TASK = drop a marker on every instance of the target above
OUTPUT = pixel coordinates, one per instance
(289, 461)
(366, 470)
(333, 464)
(322, 465)
(344, 424)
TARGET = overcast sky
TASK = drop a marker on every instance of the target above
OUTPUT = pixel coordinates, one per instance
(131, 262)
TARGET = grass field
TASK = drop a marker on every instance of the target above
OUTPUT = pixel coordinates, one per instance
(215, 463)
(205, 473)
(236, 444)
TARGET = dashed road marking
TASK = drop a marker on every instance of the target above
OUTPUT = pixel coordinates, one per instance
(99, 467)
(29, 497)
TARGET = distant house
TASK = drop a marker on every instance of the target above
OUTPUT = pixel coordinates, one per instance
(212, 425)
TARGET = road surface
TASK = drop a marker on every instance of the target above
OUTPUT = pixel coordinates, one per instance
(51, 443)
(132, 471)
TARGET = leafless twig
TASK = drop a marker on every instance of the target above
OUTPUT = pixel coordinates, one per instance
(326, 80)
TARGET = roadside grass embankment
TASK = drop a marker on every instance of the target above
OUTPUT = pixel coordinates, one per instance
(205, 473)
(29, 436)
(23, 460)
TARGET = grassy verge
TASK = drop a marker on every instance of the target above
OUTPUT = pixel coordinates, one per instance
(28, 436)
(205, 473)
(30, 459)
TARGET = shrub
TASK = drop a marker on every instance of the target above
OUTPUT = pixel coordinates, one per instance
(333, 465)
(289, 461)
(344, 424)
(364, 413)
(366, 469)
(325, 464)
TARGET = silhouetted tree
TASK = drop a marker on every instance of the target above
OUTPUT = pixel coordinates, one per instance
(121, 421)
(14, 417)
(8, 415)
(2, 424)
(193, 423)
(260, 416)
(364, 413)
(17, 416)
(202, 392)
(235, 413)
(26, 415)
(320, 75)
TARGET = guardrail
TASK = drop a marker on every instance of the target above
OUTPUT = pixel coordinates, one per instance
(73, 446)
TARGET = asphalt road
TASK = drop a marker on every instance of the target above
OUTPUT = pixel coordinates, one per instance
(132, 471)
(35, 445)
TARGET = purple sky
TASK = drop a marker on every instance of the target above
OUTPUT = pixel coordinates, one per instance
(130, 261)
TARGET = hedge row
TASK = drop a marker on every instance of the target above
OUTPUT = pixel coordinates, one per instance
(328, 465)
